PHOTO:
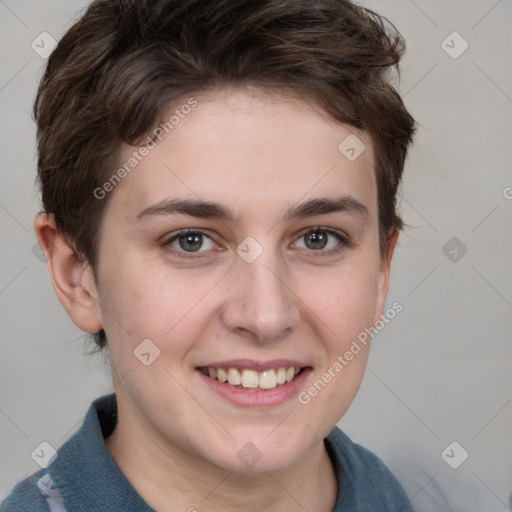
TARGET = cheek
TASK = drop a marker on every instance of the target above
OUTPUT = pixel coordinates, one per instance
(345, 301)
(140, 303)
(345, 308)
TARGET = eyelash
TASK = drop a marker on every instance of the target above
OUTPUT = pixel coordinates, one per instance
(344, 239)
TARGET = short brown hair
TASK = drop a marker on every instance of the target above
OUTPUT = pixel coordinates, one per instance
(117, 70)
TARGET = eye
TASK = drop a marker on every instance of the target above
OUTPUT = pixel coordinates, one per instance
(189, 241)
(324, 240)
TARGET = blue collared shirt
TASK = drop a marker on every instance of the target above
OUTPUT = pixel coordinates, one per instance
(85, 478)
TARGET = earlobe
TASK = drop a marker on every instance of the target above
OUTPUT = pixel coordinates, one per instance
(72, 280)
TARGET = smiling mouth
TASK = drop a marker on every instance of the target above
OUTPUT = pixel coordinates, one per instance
(252, 379)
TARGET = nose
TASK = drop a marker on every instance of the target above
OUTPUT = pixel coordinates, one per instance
(260, 303)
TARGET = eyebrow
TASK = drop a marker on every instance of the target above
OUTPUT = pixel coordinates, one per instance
(210, 210)
(323, 206)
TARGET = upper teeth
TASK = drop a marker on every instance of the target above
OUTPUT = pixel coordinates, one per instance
(267, 379)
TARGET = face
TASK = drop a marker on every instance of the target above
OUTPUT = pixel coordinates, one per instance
(244, 246)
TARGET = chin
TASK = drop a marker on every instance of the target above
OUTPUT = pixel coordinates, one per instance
(260, 453)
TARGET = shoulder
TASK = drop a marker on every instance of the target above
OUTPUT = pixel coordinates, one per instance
(364, 479)
(48, 489)
(26, 496)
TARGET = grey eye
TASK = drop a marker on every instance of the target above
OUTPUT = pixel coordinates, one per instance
(319, 239)
(191, 241)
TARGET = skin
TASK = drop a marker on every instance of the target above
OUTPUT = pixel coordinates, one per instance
(258, 153)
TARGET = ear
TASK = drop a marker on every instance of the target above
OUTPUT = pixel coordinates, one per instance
(73, 281)
(384, 271)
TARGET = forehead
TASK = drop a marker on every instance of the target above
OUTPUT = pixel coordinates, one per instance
(253, 150)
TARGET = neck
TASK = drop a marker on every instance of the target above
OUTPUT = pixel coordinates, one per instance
(170, 479)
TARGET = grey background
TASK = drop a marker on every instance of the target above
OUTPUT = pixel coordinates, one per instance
(440, 372)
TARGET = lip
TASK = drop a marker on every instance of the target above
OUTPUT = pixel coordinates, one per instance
(252, 398)
(259, 366)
